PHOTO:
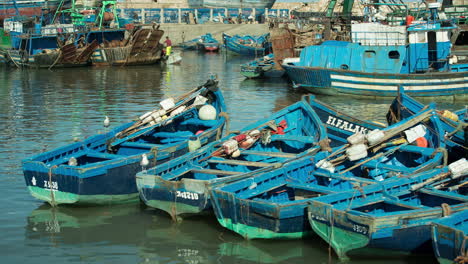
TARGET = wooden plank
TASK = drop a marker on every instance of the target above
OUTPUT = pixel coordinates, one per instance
(130, 144)
(270, 154)
(241, 162)
(216, 172)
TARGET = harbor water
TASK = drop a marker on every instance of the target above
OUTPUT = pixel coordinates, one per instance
(45, 109)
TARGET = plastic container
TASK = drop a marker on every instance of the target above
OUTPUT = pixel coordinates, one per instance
(167, 103)
(375, 136)
(326, 165)
(458, 168)
(194, 143)
(414, 133)
(357, 138)
(356, 152)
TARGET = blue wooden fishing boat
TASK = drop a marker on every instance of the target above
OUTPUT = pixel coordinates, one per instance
(455, 123)
(394, 215)
(382, 58)
(181, 187)
(262, 67)
(101, 169)
(273, 204)
(248, 45)
(208, 43)
(190, 44)
(340, 125)
(449, 235)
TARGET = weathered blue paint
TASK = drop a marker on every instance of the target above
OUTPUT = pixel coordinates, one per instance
(405, 106)
(262, 67)
(107, 164)
(272, 204)
(395, 215)
(248, 45)
(185, 181)
(340, 125)
(337, 67)
(449, 235)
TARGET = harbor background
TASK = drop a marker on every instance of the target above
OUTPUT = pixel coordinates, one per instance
(43, 109)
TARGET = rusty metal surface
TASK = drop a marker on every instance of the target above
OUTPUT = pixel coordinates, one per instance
(283, 43)
(86, 52)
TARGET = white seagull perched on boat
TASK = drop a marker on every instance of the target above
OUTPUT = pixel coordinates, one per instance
(144, 161)
(106, 122)
(72, 161)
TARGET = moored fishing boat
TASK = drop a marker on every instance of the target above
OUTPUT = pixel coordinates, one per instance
(181, 187)
(455, 123)
(262, 67)
(248, 45)
(273, 204)
(382, 58)
(449, 235)
(394, 215)
(101, 169)
(141, 48)
(339, 124)
(208, 43)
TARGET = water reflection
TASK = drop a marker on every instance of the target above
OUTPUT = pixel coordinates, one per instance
(152, 237)
(44, 109)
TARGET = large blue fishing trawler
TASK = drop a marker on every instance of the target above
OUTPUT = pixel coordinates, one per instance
(381, 58)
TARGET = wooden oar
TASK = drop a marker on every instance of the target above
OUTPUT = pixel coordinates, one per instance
(440, 176)
(179, 102)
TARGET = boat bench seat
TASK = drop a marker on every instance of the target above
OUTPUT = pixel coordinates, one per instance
(416, 149)
(130, 144)
(241, 162)
(101, 155)
(216, 172)
(319, 189)
(377, 165)
(269, 154)
(303, 139)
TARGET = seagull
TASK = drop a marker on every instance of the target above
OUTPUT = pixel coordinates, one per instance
(72, 161)
(106, 122)
(144, 161)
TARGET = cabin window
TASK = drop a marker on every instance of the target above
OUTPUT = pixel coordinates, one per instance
(369, 54)
(395, 55)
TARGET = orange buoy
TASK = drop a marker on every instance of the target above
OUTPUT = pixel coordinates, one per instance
(421, 142)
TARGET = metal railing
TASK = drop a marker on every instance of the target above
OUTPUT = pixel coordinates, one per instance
(199, 15)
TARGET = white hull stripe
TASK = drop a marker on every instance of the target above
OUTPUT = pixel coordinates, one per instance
(396, 81)
(395, 87)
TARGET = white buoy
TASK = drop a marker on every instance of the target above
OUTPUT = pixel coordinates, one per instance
(72, 161)
(207, 112)
(144, 161)
(106, 122)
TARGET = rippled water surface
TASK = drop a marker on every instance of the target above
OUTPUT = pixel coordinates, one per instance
(42, 109)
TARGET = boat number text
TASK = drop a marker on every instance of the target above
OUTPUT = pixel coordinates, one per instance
(187, 195)
(51, 185)
(360, 229)
(345, 125)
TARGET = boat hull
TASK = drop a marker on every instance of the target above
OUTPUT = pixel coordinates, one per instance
(211, 47)
(449, 237)
(102, 168)
(360, 84)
